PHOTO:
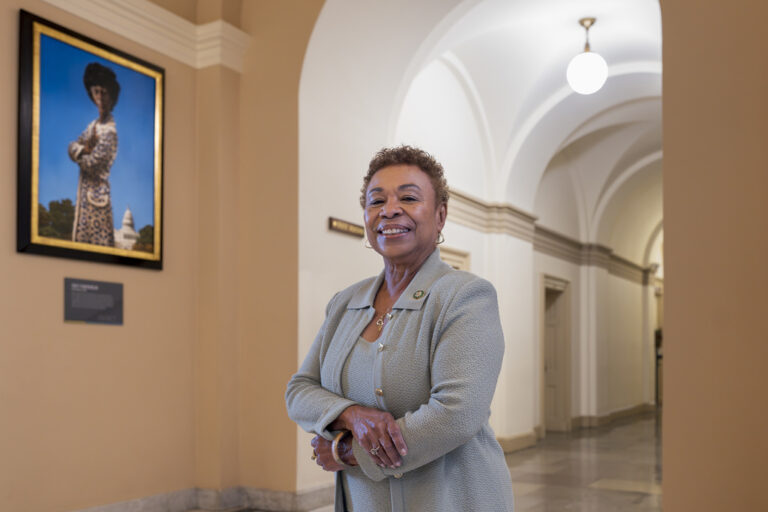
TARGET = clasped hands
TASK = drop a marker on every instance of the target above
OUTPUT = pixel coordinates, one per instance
(374, 430)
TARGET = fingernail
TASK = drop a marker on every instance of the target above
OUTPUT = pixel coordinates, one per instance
(403, 451)
(397, 464)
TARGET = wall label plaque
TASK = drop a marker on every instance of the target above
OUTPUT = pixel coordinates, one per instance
(345, 227)
(93, 302)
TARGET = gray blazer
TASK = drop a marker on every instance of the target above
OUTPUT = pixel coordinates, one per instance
(436, 374)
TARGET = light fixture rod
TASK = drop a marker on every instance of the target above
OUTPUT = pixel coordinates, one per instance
(587, 23)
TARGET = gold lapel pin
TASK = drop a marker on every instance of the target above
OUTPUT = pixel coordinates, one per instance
(418, 294)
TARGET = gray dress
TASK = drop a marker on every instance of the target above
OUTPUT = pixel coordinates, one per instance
(436, 374)
(360, 494)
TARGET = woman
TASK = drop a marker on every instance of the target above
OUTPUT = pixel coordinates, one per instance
(398, 383)
(94, 152)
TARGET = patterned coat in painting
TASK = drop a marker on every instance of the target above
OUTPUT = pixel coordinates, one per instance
(93, 209)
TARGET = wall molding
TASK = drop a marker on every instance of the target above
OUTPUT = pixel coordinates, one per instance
(219, 43)
(141, 21)
(302, 501)
(490, 217)
(555, 283)
(628, 270)
(560, 246)
(523, 441)
(229, 500)
(519, 442)
(605, 419)
(486, 217)
(550, 242)
(176, 501)
(459, 260)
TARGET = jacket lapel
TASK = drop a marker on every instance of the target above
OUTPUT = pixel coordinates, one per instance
(415, 295)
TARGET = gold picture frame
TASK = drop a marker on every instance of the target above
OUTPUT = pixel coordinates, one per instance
(90, 149)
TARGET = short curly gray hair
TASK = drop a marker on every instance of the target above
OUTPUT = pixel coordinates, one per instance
(408, 155)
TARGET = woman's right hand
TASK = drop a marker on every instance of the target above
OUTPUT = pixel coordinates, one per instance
(373, 428)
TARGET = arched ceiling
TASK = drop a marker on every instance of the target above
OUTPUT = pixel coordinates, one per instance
(633, 214)
(510, 59)
(481, 83)
(513, 54)
(600, 167)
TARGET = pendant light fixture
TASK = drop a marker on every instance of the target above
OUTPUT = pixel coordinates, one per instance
(587, 71)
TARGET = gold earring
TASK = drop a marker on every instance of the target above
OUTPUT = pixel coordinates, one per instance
(440, 237)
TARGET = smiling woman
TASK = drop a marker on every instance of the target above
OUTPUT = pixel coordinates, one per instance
(402, 217)
(399, 380)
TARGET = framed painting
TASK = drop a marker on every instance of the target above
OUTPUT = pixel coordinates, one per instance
(90, 162)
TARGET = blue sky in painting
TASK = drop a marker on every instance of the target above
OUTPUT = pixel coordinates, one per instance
(66, 110)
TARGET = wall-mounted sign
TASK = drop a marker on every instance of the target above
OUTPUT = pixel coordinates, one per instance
(345, 227)
(93, 302)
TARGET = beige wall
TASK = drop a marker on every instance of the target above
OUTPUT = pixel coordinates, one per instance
(248, 305)
(216, 376)
(213, 10)
(716, 241)
(268, 257)
(189, 392)
(96, 414)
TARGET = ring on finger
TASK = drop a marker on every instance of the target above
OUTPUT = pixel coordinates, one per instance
(314, 455)
(375, 450)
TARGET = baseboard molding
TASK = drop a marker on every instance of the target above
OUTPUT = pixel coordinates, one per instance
(519, 442)
(225, 500)
(176, 501)
(302, 501)
(522, 441)
(600, 421)
(239, 498)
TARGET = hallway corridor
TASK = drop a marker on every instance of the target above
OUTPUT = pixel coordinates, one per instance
(616, 468)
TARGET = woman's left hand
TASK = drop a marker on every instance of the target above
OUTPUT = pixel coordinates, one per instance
(376, 431)
(322, 448)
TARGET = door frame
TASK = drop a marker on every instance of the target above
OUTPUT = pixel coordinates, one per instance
(550, 282)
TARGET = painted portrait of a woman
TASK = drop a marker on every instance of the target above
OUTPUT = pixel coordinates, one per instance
(94, 152)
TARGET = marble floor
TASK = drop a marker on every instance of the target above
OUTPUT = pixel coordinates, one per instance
(616, 468)
(606, 469)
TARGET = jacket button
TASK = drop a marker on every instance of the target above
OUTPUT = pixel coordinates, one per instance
(381, 347)
(379, 392)
(398, 475)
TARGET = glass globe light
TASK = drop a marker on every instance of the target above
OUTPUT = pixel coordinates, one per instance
(587, 72)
